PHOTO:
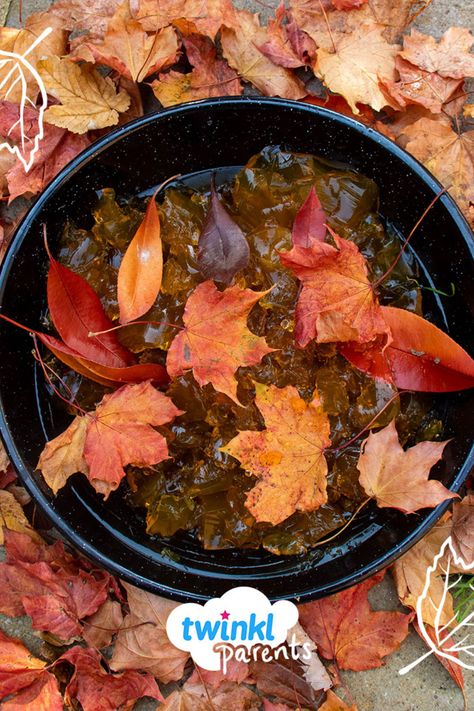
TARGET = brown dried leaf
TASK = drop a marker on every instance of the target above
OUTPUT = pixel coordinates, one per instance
(142, 643)
(128, 49)
(239, 46)
(447, 154)
(450, 57)
(356, 65)
(463, 528)
(409, 573)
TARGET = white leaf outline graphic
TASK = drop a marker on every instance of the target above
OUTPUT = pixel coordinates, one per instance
(456, 646)
(20, 64)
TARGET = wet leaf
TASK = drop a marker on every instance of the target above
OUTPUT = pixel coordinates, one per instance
(118, 433)
(398, 478)
(310, 222)
(141, 269)
(223, 249)
(295, 436)
(76, 312)
(337, 302)
(216, 340)
(419, 357)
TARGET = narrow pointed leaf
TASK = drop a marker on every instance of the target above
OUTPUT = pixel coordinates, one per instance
(223, 250)
(103, 374)
(420, 356)
(309, 225)
(141, 270)
(76, 311)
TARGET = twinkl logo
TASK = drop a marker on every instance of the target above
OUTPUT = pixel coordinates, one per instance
(240, 621)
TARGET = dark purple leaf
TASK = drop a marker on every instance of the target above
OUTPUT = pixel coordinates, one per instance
(223, 250)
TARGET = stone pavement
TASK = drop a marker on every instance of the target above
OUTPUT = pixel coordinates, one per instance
(428, 687)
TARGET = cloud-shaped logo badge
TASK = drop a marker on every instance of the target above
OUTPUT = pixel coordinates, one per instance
(242, 617)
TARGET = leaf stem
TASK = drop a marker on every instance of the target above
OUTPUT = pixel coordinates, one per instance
(405, 244)
(369, 424)
(92, 334)
(340, 530)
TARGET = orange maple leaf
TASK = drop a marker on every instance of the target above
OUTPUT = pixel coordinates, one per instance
(337, 302)
(398, 478)
(216, 340)
(118, 433)
(287, 456)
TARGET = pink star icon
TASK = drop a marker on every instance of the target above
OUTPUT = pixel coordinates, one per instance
(225, 615)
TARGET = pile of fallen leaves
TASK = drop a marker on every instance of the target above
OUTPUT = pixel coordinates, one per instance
(105, 642)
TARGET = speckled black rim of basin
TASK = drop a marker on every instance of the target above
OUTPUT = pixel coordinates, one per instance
(184, 139)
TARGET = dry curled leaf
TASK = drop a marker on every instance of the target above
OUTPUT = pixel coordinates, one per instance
(416, 86)
(32, 43)
(348, 630)
(100, 628)
(13, 517)
(295, 436)
(128, 49)
(278, 45)
(398, 478)
(462, 532)
(334, 703)
(409, 573)
(95, 688)
(211, 75)
(83, 16)
(25, 684)
(55, 149)
(55, 589)
(88, 100)
(239, 47)
(355, 66)
(215, 340)
(449, 155)
(142, 642)
(337, 302)
(450, 57)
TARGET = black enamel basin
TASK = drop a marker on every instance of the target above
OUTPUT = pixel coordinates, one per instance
(186, 139)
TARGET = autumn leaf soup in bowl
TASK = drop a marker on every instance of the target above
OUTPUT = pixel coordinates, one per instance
(229, 355)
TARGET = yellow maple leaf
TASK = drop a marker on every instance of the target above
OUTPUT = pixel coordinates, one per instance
(88, 100)
(287, 456)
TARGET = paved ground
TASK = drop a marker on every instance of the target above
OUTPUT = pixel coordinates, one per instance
(428, 687)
